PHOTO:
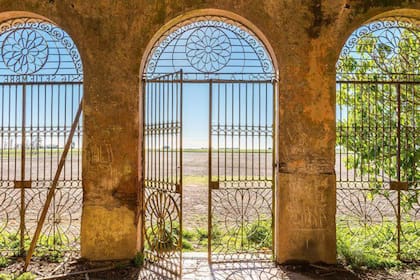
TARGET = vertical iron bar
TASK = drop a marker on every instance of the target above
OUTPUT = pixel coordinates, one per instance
(226, 129)
(16, 132)
(22, 174)
(146, 125)
(31, 129)
(177, 138)
(167, 126)
(239, 132)
(65, 127)
(38, 144)
(209, 230)
(71, 112)
(253, 131)
(2, 109)
(266, 134)
(50, 152)
(45, 133)
(399, 170)
(273, 161)
(246, 131)
(173, 134)
(181, 169)
(159, 131)
(218, 130)
(153, 132)
(259, 131)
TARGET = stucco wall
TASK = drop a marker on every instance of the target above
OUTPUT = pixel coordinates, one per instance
(306, 36)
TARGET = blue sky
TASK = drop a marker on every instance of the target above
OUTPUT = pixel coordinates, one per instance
(196, 115)
(195, 99)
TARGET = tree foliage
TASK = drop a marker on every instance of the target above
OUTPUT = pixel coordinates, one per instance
(378, 91)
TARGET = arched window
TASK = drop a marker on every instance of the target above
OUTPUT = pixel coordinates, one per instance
(41, 88)
(377, 163)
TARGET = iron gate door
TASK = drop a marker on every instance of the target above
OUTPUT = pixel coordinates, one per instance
(162, 195)
(241, 161)
(35, 123)
(41, 87)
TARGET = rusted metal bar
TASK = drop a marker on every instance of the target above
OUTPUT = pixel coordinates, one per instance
(399, 170)
(145, 144)
(53, 187)
(180, 191)
(274, 168)
(22, 174)
(211, 184)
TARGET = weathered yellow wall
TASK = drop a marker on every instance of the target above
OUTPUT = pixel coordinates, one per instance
(306, 36)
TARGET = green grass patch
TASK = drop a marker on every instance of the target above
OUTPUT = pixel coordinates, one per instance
(53, 151)
(375, 246)
(24, 276)
(196, 180)
(257, 236)
(49, 248)
(4, 261)
(138, 260)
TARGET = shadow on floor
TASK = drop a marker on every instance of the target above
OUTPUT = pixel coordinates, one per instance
(196, 267)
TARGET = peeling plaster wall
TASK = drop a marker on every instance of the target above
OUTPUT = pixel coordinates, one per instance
(306, 36)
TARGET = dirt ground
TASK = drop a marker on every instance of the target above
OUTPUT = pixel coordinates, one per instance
(195, 215)
(197, 268)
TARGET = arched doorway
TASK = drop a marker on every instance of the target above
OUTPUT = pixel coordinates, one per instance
(235, 70)
(41, 88)
(378, 89)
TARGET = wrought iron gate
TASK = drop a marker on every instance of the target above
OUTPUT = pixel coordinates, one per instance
(377, 162)
(40, 91)
(162, 186)
(234, 62)
(241, 181)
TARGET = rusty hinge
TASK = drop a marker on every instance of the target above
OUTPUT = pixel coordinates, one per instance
(398, 186)
(214, 185)
(23, 184)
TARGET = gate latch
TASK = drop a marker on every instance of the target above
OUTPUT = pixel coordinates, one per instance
(22, 184)
(398, 186)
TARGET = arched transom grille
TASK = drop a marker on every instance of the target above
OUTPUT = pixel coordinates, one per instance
(210, 48)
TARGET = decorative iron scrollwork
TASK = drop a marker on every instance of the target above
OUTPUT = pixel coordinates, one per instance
(163, 216)
(37, 47)
(25, 51)
(210, 47)
(385, 48)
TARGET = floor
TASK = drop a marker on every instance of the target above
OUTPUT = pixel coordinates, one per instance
(196, 267)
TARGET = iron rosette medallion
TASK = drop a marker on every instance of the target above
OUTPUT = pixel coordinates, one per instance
(208, 49)
(25, 51)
